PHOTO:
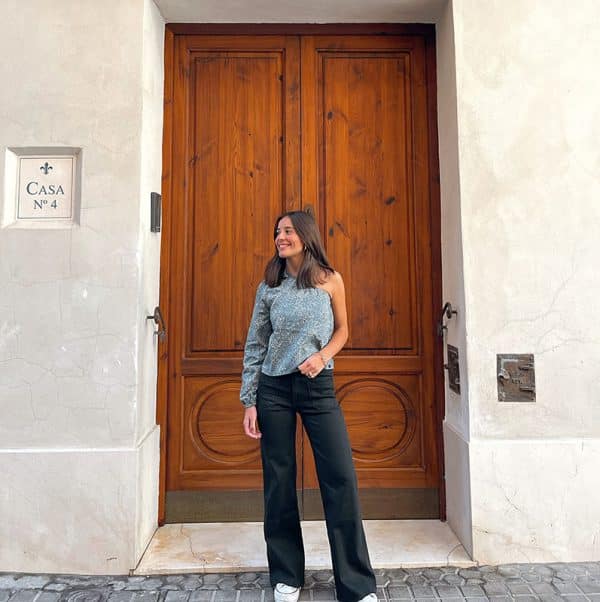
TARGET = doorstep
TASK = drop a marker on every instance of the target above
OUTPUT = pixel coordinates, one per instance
(240, 547)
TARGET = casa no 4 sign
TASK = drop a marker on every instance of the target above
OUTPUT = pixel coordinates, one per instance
(45, 187)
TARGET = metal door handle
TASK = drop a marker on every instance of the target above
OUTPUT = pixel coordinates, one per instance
(158, 320)
(446, 311)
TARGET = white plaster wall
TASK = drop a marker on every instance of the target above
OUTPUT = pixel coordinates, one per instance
(529, 124)
(147, 432)
(457, 407)
(529, 127)
(69, 346)
(535, 502)
(458, 485)
(150, 181)
(77, 411)
(67, 510)
(146, 498)
(456, 421)
(307, 11)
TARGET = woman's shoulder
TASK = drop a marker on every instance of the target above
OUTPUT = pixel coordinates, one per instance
(331, 277)
(263, 288)
(331, 281)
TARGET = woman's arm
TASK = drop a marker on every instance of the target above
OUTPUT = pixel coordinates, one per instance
(255, 349)
(340, 318)
(317, 361)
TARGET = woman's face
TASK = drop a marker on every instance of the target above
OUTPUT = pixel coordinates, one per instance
(287, 241)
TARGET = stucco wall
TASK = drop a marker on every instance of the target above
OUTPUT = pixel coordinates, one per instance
(528, 129)
(72, 395)
(307, 11)
(147, 432)
(456, 420)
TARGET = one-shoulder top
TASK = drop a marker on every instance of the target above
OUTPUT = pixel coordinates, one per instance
(288, 325)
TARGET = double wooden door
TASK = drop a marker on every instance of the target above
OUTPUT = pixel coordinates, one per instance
(260, 124)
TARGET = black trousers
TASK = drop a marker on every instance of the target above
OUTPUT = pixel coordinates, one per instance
(278, 400)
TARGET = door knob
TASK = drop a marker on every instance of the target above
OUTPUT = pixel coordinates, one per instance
(160, 322)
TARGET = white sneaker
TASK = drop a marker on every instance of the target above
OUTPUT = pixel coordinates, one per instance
(286, 593)
(369, 598)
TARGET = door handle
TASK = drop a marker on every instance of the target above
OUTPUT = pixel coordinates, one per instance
(446, 311)
(160, 322)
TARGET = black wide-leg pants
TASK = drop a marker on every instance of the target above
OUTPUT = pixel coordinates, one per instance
(278, 400)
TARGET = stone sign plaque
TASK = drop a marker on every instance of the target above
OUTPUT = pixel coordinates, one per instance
(45, 187)
(42, 187)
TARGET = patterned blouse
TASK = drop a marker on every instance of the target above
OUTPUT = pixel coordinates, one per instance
(288, 325)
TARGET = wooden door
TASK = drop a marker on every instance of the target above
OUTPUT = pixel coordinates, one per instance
(365, 162)
(266, 123)
(236, 166)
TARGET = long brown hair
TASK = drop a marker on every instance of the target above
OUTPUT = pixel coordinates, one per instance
(315, 259)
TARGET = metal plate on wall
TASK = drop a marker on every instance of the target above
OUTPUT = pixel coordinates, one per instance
(453, 369)
(516, 377)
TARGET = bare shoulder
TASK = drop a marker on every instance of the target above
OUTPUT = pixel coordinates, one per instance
(330, 276)
(332, 282)
(336, 281)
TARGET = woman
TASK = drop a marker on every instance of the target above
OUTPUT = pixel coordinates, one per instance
(298, 324)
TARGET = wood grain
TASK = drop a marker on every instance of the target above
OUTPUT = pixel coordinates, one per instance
(236, 167)
(365, 166)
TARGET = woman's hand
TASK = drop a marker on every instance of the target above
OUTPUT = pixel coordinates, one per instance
(251, 424)
(312, 365)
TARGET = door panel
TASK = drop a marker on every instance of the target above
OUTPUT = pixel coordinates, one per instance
(365, 168)
(236, 148)
(237, 182)
(366, 202)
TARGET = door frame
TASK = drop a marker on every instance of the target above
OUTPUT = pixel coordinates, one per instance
(165, 360)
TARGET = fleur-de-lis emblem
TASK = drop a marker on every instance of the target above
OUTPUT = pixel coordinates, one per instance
(46, 167)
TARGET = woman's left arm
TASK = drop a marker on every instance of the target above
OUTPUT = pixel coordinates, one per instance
(317, 361)
(340, 318)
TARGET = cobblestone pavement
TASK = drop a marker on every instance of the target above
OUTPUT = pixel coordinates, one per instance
(521, 582)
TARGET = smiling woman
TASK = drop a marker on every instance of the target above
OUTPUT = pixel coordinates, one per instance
(297, 241)
(288, 370)
(299, 265)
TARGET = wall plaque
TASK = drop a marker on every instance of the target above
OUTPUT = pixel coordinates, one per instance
(516, 376)
(45, 187)
(42, 187)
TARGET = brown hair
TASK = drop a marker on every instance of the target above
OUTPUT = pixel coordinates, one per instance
(315, 259)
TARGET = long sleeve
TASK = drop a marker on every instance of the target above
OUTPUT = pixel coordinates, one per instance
(257, 342)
